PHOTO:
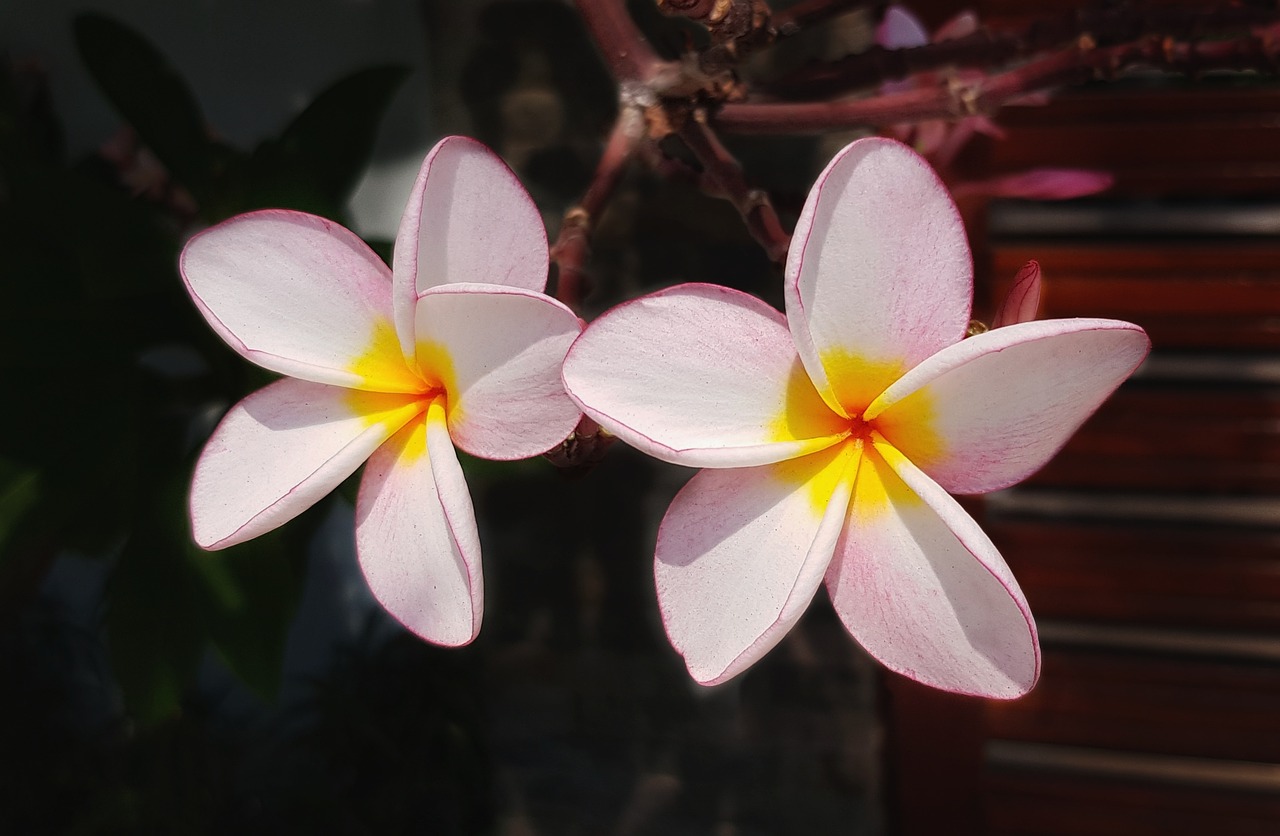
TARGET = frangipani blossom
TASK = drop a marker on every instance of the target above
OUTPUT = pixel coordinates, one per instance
(455, 346)
(832, 436)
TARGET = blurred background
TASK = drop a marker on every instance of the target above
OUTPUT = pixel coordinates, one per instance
(146, 686)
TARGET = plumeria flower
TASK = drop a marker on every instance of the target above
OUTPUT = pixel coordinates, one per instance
(454, 345)
(832, 436)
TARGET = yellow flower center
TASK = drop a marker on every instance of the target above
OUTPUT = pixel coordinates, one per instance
(905, 429)
(394, 392)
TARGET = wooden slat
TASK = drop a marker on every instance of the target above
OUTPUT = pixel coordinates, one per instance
(1160, 574)
(1187, 296)
(1144, 703)
(1030, 803)
(1166, 438)
(1220, 140)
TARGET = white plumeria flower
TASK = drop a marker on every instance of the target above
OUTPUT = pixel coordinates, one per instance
(457, 345)
(833, 435)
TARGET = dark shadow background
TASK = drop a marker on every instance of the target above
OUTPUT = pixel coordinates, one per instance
(146, 686)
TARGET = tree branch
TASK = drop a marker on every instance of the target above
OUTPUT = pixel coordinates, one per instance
(986, 48)
(722, 177)
(1076, 64)
(572, 247)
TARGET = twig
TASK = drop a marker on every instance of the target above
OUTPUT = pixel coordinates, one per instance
(625, 50)
(1076, 64)
(572, 246)
(986, 48)
(722, 176)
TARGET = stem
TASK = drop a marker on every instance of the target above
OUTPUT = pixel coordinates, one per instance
(985, 48)
(625, 50)
(1073, 65)
(572, 246)
(722, 176)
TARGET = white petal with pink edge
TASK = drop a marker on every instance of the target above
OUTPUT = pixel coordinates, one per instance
(280, 450)
(990, 411)
(879, 273)
(416, 535)
(740, 554)
(299, 295)
(699, 375)
(498, 351)
(923, 590)
(468, 219)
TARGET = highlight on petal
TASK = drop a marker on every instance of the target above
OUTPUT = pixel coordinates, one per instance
(299, 295)
(741, 553)
(900, 29)
(416, 535)
(280, 450)
(498, 351)
(879, 267)
(699, 375)
(468, 219)
(1023, 301)
(923, 590)
(991, 410)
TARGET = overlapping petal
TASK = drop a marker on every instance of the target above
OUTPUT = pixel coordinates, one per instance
(923, 590)
(879, 275)
(699, 375)
(499, 351)
(416, 534)
(740, 554)
(280, 450)
(299, 295)
(991, 410)
(468, 219)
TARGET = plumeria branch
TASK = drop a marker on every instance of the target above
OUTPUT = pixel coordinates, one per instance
(572, 247)
(722, 176)
(986, 48)
(1081, 62)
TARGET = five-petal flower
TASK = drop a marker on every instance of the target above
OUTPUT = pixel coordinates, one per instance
(457, 345)
(832, 436)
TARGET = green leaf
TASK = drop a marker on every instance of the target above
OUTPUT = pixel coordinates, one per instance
(320, 156)
(150, 94)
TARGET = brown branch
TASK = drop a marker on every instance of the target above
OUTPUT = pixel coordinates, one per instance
(722, 177)
(624, 48)
(1074, 65)
(986, 48)
(572, 247)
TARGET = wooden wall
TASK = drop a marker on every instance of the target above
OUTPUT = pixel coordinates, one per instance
(1150, 548)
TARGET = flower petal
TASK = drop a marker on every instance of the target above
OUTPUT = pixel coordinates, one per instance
(1040, 184)
(900, 29)
(280, 450)
(879, 275)
(991, 410)
(1023, 301)
(468, 220)
(416, 534)
(299, 295)
(498, 352)
(740, 554)
(920, 586)
(699, 375)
